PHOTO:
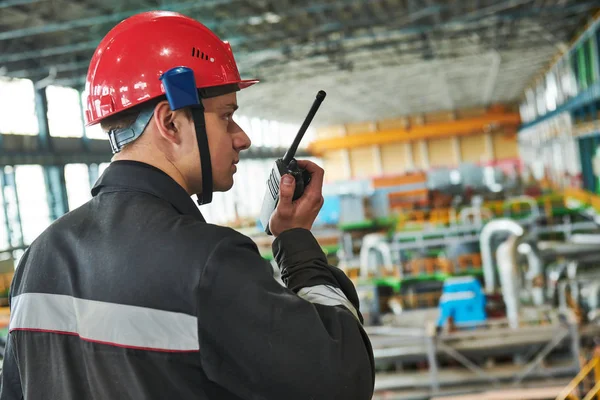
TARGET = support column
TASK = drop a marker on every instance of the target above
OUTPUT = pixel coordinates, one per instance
(489, 146)
(456, 148)
(430, 345)
(424, 154)
(5, 208)
(41, 112)
(56, 190)
(11, 207)
(93, 173)
(54, 176)
(347, 164)
(377, 160)
(410, 160)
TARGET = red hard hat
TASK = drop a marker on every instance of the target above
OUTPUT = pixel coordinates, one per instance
(126, 67)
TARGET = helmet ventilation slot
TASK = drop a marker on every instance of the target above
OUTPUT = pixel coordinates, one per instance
(199, 54)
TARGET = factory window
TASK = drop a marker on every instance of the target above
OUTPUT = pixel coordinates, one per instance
(64, 112)
(287, 133)
(17, 107)
(270, 133)
(12, 211)
(102, 167)
(255, 132)
(551, 91)
(221, 210)
(77, 179)
(95, 132)
(249, 192)
(568, 82)
(541, 99)
(530, 111)
(33, 203)
(245, 198)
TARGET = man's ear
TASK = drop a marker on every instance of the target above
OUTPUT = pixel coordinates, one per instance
(164, 118)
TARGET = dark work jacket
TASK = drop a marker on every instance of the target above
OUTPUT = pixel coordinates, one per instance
(134, 296)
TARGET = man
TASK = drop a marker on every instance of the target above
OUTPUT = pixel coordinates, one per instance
(135, 296)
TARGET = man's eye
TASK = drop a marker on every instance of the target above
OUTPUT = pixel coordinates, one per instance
(228, 116)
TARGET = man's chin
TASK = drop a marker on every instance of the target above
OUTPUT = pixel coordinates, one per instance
(223, 186)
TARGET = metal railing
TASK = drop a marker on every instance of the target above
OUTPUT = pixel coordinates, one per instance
(572, 390)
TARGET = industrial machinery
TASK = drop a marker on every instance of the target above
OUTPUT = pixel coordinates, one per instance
(496, 293)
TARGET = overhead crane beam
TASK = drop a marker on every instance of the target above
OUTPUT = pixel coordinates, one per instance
(463, 127)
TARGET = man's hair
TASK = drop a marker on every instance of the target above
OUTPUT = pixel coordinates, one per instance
(126, 118)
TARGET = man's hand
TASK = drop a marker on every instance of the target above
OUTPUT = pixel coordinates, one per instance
(302, 212)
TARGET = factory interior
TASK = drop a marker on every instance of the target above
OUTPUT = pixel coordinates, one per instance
(461, 147)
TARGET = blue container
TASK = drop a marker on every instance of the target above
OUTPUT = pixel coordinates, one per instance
(463, 300)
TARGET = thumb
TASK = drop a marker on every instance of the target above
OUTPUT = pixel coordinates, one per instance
(286, 189)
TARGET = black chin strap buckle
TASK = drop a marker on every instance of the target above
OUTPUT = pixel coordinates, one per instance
(118, 138)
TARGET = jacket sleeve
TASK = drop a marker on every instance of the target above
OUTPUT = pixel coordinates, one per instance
(261, 340)
(11, 381)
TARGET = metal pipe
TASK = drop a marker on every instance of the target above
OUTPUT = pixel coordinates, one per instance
(456, 23)
(48, 51)
(586, 238)
(13, 3)
(553, 249)
(503, 225)
(509, 280)
(430, 344)
(210, 23)
(535, 270)
(562, 295)
(67, 67)
(104, 19)
(374, 242)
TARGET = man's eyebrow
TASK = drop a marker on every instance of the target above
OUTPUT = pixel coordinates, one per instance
(231, 105)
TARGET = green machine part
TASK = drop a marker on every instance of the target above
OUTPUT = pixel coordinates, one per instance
(596, 168)
(591, 61)
(596, 54)
(581, 67)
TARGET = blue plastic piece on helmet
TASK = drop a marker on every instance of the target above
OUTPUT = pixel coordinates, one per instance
(180, 88)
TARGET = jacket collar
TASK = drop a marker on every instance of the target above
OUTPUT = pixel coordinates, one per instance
(140, 177)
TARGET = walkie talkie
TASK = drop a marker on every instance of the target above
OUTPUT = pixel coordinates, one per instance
(288, 165)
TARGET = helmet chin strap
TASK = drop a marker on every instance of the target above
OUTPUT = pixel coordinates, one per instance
(202, 138)
(181, 91)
